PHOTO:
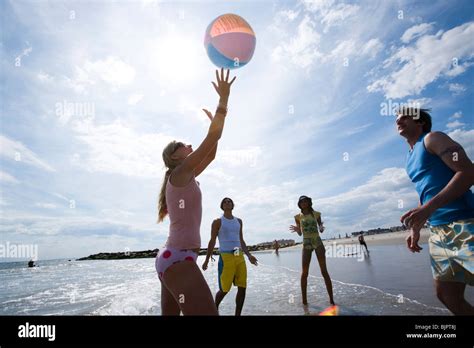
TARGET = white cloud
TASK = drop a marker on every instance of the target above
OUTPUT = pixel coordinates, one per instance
(466, 139)
(349, 48)
(118, 149)
(359, 129)
(329, 12)
(302, 49)
(5, 177)
(134, 99)
(344, 49)
(15, 150)
(419, 102)
(25, 53)
(41, 225)
(117, 214)
(152, 3)
(287, 15)
(307, 46)
(44, 77)
(79, 236)
(377, 203)
(428, 59)
(454, 124)
(456, 88)
(111, 70)
(458, 69)
(61, 196)
(457, 114)
(416, 31)
(372, 48)
(233, 158)
(46, 205)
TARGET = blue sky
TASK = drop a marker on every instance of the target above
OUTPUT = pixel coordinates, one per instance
(305, 114)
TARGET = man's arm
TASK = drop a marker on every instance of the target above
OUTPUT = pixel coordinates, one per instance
(252, 259)
(216, 225)
(454, 156)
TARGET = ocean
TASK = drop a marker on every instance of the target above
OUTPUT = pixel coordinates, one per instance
(392, 281)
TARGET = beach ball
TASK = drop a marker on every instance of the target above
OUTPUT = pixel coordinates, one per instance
(229, 41)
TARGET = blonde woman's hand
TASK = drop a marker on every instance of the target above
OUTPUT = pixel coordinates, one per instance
(209, 114)
(223, 85)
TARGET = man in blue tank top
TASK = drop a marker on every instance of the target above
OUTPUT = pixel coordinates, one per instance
(232, 247)
(443, 176)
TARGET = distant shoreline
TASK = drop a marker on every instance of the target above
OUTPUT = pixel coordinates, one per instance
(389, 238)
(153, 253)
(398, 237)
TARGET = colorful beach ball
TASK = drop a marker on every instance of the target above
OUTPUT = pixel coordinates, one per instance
(229, 41)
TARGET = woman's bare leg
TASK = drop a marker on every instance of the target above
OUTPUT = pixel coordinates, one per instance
(321, 255)
(169, 306)
(186, 283)
(306, 259)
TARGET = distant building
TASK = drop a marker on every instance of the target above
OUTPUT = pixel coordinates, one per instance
(281, 242)
(379, 230)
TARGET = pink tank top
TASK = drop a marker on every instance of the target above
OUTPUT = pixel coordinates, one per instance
(185, 212)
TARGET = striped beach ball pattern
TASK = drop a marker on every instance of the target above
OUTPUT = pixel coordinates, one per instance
(229, 41)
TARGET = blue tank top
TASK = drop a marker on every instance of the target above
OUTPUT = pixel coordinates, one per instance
(430, 175)
(229, 235)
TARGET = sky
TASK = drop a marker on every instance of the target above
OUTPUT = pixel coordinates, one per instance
(92, 91)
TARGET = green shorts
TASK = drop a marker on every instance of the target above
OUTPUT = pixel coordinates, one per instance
(312, 242)
(451, 251)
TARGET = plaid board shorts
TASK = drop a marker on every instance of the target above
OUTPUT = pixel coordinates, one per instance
(452, 251)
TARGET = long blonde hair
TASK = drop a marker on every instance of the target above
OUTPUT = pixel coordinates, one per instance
(170, 164)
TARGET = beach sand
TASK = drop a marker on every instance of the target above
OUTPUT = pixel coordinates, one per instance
(375, 239)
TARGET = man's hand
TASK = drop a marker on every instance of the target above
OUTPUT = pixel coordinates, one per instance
(412, 241)
(416, 218)
(253, 260)
(204, 265)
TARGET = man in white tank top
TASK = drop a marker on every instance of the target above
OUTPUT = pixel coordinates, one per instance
(232, 247)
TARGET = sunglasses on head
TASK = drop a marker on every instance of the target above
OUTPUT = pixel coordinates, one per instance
(178, 145)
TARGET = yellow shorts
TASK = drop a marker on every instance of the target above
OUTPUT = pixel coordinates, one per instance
(232, 269)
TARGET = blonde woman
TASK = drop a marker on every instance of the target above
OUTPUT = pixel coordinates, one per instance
(183, 287)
